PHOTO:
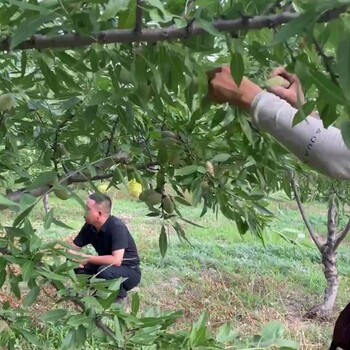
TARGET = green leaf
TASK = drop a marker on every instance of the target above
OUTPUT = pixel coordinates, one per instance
(345, 131)
(163, 241)
(327, 87)
(69, 342)
(32, 339)
(27, 6)
(272, 331)
(219, 116)
(27, 270)
(182, 201)
(53, 276)
(304, 112)
(6, 202)
(15, 287)
(186, 170)
(294, 27)
(112, 8)
(237, 67)
(49, 75)
(32, 296)
(3, 276)
(98, 98)
(27, 28)
(54, 315)
(222, 157)
(80, 336)
(77, 320)
(61, 224)
(343, 58)
(43, 179)
(328, 114)
(198, 335)
(208, 27)
(127, 18)
(48, 219)
(93, 303)
(135, 303)
(225, 334)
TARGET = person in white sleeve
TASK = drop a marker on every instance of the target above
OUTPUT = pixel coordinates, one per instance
(323, 149)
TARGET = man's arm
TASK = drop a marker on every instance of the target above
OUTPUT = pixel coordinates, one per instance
(116, 258)
(320, 148)
(323, 149)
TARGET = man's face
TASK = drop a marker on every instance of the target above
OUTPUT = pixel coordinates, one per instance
(92, 214)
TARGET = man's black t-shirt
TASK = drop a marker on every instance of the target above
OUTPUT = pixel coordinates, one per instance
(113, 235)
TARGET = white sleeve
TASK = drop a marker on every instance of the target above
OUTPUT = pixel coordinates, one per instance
(320, 148)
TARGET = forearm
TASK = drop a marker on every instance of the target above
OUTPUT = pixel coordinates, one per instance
(320, 148)
(103, 260)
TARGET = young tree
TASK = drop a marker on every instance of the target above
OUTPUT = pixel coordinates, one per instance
(336, 195)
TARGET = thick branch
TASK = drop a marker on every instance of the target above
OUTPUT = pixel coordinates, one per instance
(139, 14)
(40, 42)
(78, 178)
(303, 214)
(341, 235)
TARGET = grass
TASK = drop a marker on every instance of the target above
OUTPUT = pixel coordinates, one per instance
(235, 278)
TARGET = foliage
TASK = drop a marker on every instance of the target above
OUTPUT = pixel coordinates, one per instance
(138, 110)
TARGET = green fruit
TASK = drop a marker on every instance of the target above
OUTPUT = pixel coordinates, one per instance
(168, 205)
(7, 102)
(53, 181)
(144, 194)
(154, 199)
(277, 81)
(61, 193)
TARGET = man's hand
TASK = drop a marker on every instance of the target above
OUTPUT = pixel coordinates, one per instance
(223, 89)
(81, 258)
(294, 93)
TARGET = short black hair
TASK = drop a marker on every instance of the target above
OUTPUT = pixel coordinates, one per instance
(103, 201)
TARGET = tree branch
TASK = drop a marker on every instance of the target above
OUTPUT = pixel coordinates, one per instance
(139, 14)
(341, 235)
(41, 42)
(304, 215)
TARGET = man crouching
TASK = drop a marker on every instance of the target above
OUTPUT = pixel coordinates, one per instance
(117, 252)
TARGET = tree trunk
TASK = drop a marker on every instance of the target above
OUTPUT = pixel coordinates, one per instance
(46, 203)
(329, 261)
(324, 310)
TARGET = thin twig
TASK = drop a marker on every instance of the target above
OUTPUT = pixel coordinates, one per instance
(326, 60)
(56, 140)
(139, 15)
(110, 140)
(303, 213)
(162, 34)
